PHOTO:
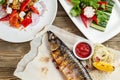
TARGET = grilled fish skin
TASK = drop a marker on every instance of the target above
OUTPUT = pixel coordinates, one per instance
(70, 67)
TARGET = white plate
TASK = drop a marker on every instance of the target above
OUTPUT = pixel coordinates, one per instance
(117, 3)
(14, 35)
(113, 27)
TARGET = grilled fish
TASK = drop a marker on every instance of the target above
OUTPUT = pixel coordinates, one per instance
(64, 59)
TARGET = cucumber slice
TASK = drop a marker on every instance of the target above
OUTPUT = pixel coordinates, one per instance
(111, 3)
(109, 9)
(95, 26)
(103, 23)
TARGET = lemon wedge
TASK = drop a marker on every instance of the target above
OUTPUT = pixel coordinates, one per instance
(103, 66)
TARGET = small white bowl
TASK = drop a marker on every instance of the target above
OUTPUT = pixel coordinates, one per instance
(89, 43)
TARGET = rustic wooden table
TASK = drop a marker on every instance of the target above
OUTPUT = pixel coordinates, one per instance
(11, 53)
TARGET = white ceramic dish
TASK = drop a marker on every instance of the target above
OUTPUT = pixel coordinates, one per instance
(17, 36)
(113, 27)
(117, 3)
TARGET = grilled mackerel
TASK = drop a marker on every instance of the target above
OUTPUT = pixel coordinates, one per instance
(70, 67)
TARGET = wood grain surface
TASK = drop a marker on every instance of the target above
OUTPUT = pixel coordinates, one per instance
(11, 53)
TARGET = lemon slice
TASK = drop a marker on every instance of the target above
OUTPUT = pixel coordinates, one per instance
(103, 66)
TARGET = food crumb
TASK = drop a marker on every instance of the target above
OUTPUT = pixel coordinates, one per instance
(44, 70)
(45, 59)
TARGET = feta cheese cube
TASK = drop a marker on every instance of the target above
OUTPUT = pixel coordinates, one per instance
(22, 14)
(9, 10)
(10, 1)
(39, 7)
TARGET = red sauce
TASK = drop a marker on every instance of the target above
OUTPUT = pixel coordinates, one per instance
(83, 50)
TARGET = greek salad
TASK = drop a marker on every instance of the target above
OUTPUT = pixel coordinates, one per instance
(19, 12)
(94, 13)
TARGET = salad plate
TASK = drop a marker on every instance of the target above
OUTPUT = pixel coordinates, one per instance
(14, 35)
(92, 34)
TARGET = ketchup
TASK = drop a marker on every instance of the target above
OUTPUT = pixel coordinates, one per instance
(83, 50)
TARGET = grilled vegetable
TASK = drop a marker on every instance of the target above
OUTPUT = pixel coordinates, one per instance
(104, 66)
(64, 59)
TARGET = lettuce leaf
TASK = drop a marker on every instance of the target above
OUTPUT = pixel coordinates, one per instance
(75, 11)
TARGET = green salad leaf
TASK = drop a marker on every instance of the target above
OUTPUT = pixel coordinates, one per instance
(75, 11)
(75, 2)
(101, 16)
(103, 6)
(93, 3)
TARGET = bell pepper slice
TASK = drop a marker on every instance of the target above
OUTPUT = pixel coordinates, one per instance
(84, 19)
(34, 10)
(24, 4)
(14, 19)
(26, 21)
(2, 1)
(6, 18)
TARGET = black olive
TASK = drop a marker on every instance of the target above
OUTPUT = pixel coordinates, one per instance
(81, 5)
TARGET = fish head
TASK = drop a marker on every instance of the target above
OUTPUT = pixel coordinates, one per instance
(52, 39)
